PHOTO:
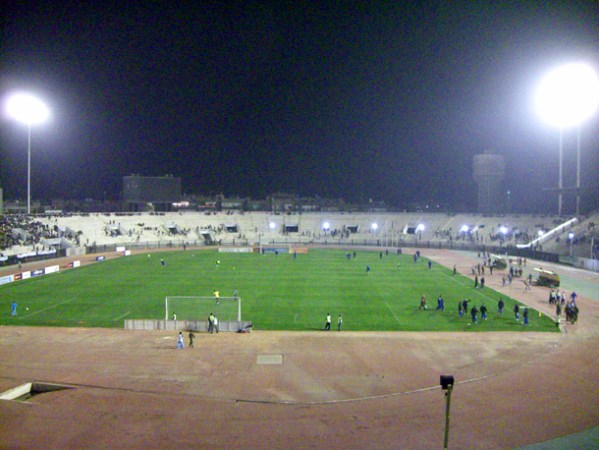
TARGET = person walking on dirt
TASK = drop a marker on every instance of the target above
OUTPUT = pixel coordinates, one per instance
(191, 338)
(180, 343)
(558, 312)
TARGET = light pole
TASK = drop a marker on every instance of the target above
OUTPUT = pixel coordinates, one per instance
(29, 110)
(566, 97)
(447, 382)
(571, 241)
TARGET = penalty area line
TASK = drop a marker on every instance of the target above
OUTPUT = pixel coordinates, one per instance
(122, 316)
(39, 311)
(394, 315)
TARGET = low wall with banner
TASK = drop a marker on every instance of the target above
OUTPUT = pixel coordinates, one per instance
(186, 325)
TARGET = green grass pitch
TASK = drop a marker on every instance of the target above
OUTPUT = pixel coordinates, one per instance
(279, 292)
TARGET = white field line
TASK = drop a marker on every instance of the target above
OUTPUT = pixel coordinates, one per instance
(49, 307)
(389, 308)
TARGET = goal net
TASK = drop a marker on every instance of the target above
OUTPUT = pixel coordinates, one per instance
(198, 308)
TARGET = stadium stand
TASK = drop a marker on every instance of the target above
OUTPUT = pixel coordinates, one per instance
(99, 231)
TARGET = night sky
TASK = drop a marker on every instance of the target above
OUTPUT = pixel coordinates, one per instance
(355, 100)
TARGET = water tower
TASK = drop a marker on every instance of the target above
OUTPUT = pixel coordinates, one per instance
(488, 173)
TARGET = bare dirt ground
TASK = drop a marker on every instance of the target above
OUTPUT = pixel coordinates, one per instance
(132, 389)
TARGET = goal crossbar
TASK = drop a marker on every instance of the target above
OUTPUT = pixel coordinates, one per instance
(168, 302)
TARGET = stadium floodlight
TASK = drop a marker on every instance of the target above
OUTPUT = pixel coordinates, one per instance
(566, 97)
(464, 229)
(374, 226)
(326, 226)
(503, 230)
(272, 225)
(28, 110)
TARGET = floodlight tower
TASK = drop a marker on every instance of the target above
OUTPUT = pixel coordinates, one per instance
(566, 97)
(29, 110)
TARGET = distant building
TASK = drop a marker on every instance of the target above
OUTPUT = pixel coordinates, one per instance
(150, 193)
(488, 173)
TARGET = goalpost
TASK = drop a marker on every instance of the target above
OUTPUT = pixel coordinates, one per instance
(198, 307)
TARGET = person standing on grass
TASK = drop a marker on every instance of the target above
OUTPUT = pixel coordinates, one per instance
(473, 313)
(13, 309)
(440, 304)
(517, 311)
(500, 306)
(339, 322)
(525, 315)
(483, 312)
(422, 303)
(180, 343)
(327, 325)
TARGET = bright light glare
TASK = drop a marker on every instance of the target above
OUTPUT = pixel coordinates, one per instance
(541, 233)
(27, 109)
(570, 236)
(568, 95)
(464, 229)
(420, 227)
(326, 225)
(272, 225)
(503, 230)
(374, 226)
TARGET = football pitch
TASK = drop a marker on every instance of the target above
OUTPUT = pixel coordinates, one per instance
(278, 292)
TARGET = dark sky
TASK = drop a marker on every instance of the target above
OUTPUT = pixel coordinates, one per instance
(357, 100)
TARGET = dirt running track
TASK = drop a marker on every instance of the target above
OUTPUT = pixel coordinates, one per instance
(132, 389)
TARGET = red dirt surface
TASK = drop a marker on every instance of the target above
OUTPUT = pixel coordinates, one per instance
(133, 389)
